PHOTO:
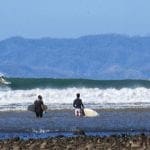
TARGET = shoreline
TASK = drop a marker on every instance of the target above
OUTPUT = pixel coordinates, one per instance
(116, 142)
(96, 109)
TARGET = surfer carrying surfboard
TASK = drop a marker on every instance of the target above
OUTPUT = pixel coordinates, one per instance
(39, 107)
(78, 105)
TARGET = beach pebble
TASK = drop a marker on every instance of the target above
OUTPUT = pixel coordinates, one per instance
(89, 147)
(43, 145)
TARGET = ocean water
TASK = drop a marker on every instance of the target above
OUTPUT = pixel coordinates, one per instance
(123, 105)
(60, 93)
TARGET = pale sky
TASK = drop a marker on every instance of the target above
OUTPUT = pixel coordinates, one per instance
(73, 18)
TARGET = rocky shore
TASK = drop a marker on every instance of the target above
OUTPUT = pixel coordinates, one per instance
(123, 142)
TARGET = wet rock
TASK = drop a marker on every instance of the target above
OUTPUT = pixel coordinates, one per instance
(16, 139)
(140, 142)
(79, 132)
(59, 136)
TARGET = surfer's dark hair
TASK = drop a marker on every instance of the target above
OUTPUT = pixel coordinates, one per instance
(78, 94)
(39, 96)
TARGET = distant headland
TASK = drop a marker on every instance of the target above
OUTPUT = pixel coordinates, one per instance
(106, 56)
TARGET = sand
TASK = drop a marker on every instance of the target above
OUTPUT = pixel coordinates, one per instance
(123, 142)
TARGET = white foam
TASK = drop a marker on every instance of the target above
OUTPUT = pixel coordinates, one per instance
(63, 98)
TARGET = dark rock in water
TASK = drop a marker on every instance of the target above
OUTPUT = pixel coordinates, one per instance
(79, 132)
(16, 139)
(59, 136)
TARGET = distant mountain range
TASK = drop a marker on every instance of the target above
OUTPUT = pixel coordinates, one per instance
(107, 56)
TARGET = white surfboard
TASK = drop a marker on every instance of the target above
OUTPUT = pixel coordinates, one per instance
(90, 112)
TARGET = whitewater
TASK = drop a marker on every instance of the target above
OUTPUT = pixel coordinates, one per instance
(59, 94)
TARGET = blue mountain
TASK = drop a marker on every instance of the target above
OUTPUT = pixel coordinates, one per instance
(108, 56)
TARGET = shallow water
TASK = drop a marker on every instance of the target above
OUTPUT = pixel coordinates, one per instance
(24, 124)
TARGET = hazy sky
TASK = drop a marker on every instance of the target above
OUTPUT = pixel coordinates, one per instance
(73, 18)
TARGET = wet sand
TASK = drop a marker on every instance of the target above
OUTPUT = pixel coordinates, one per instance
(123, 142)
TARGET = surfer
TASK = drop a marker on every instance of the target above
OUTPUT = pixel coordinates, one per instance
(78, 105)
(39, 106)
(2, 80)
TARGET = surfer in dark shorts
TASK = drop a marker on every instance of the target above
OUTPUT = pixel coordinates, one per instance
(78, 105)
(39, 105)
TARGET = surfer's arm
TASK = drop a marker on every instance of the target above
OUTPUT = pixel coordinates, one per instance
(82, 104)
(74, 104)
(34, 105)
